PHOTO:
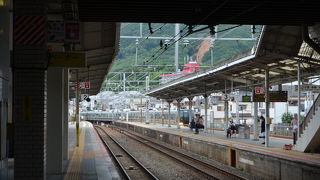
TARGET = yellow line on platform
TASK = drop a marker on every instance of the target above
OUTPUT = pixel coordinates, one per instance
(74, 168)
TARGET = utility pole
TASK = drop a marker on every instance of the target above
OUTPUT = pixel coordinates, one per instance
(176, 52)
(124, 82)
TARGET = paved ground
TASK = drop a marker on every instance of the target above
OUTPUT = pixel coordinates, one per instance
(89, 161)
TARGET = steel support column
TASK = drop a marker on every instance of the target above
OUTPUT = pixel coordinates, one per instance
(255, 118)
(267, 102)
(206, 112)
(169, 113)
(299, 99)
(178, 112)
(190, 108)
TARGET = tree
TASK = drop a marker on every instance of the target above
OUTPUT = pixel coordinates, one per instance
(286, 117)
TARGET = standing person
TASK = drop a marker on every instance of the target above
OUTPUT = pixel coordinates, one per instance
(263, 128)
(199, 123)
(294, 126)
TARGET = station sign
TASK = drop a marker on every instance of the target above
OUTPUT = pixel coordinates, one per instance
(72, 32)
(246, 99)
(67, 59)
(84, 97)
(308, 87)
(85, 85)
(259, 90)
(275, 96)
(55, 31)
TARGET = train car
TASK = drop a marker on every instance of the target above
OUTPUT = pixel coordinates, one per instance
(138, 116)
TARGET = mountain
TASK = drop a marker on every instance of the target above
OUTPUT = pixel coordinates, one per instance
(147, 48)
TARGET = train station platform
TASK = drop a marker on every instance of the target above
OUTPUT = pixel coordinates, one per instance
(90, 160)
(248, 155)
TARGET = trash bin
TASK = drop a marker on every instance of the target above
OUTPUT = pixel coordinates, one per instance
(244, 131)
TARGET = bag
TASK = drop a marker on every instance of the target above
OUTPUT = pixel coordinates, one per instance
(262, 135)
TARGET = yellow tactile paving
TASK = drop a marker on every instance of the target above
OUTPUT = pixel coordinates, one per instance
(74, 168)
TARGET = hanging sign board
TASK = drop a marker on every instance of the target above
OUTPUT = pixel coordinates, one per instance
(72, 32)
(275, 96)
(55, 31)
(259, 90)
(67, 59)
(246, 98)
(308, 87)
(84, 97)
(85, 85)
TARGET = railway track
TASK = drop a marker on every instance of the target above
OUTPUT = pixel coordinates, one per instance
(211, 171)
(129, 166)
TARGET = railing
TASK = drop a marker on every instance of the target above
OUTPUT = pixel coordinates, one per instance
(310, 114)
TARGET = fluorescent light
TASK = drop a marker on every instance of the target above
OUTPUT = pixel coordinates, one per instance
(2, 3)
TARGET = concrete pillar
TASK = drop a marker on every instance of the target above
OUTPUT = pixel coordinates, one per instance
(65, 109)
(206, 112)
(4, 80)
(267, 102)
(55, 120)
(30, 89)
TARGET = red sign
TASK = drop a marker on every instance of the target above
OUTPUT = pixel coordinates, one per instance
(72, 31)
(259, 90)
(85, 85)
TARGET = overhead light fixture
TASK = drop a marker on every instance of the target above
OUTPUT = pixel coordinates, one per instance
(2, 3)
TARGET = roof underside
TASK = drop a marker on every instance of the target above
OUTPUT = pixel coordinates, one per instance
(100, 41)
(211, 12)
(279, 49)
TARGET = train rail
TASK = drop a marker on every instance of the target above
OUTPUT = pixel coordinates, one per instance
(129, 166)
(212, 171)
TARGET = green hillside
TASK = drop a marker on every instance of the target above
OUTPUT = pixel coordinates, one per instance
(222, 50)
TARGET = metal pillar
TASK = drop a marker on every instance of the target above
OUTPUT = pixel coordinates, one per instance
(299, 99)
(255, 121)
(147, 83)
(169, 115)
(162, 114)
(141, 109)
(226, 107)
(211, 53)
(267, 102)
(178, 112)
(190, 108)
(77, 108)
(206, 111)
(124, 82)
(176, 49)
(137, 43)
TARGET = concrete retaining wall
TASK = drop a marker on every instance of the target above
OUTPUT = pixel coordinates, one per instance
(257, 164)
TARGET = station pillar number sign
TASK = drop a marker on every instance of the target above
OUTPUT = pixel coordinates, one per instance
(85, 85)
(259, 90)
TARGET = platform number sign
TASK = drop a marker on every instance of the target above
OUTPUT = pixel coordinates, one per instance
(84, 97)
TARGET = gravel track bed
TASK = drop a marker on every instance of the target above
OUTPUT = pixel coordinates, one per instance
(132, 167)
(159, 164)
